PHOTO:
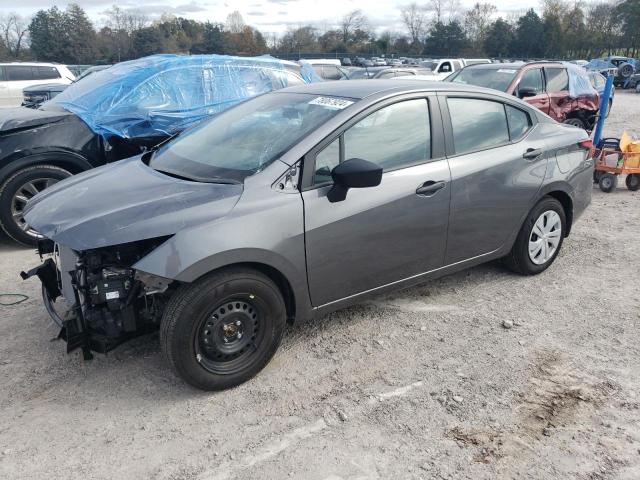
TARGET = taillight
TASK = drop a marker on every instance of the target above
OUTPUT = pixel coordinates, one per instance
(586, 144)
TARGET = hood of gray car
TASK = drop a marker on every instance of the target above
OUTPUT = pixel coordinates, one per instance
(22, 117)
(125, 202)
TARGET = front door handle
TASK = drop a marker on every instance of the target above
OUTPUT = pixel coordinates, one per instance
(532, 153)
(429, 188)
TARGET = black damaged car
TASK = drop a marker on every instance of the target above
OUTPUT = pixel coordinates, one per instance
(117, 113)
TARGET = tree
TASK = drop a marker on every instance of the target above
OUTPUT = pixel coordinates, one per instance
(445, 40)
(300, 40)
(81, 35)
(352, 21)
(529, 35)
(48, 35)
(147, 41)
(477, 21)
(212, 39)
(13, 29)
(414, 18)
(627, 13)
(235, 22)
(499, 39)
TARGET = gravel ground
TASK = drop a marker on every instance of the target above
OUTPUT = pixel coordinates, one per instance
(425, 383)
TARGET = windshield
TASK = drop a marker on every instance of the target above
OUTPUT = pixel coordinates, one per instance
(498, 79)
(429, 65)
(245, 139)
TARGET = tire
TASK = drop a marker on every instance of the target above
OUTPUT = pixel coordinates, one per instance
(575, 121)
(207, 343)
(608, 182)
(625, 70)
(14, 193)
(633, 182)
(519, 259)
(596, 176)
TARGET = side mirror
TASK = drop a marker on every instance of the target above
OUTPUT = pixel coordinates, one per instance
(353, 173)
(527, 92)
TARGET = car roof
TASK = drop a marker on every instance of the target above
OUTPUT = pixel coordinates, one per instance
(360, 89)
(512, 65)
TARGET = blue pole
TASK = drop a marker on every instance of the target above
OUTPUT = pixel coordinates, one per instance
(602, 113)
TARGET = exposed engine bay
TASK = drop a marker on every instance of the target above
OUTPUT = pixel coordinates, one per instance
(96, 297)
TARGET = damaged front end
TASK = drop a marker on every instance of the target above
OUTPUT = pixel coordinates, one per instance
(96, 297)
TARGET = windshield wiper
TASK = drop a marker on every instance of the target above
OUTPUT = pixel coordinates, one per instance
(181, 176)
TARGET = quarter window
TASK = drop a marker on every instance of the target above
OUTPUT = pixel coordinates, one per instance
(477, 124)
(557, 80)
(519, 122)
(393, 137)
(326, 160)
(46, 73)
(532, 79)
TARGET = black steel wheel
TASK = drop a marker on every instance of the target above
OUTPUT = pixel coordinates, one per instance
(633, 182)
(608, 182)
(221, 330)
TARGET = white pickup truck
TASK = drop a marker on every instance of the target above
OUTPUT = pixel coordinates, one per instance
(444, 67)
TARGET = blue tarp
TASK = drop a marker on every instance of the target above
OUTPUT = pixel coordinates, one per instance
(163, 94)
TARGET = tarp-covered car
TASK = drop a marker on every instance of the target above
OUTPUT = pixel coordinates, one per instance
(119, 112)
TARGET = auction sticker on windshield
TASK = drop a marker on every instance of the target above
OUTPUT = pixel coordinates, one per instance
(331, 102)
(506, 70)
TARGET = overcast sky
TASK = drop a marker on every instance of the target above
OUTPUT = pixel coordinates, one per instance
(270, 16)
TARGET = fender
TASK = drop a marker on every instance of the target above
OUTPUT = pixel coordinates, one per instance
(72, 161)
(171, 268)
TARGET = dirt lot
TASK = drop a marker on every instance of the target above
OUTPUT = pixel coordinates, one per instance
(425, 383)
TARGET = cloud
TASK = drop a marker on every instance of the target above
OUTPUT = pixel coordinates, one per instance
(256, 13)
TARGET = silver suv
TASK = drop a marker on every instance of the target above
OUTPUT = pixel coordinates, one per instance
(299, 202)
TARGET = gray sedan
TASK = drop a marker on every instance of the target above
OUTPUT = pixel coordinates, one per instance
(299, 202)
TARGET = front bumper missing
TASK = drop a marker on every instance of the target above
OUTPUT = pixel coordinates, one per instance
(74, 328)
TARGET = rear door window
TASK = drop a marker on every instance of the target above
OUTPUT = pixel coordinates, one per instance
(445, 67)
(18, 72)
(477, 124)
(532, 79)
(2, 77)
(557, 80)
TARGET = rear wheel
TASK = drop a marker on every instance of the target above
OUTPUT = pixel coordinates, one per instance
(608, 182)
(633, 182)
(575, 121)
(220, 331)
(540, 238)
(17, 190)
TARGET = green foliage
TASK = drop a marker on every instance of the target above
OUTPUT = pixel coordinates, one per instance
(564, 30)
(445, 40)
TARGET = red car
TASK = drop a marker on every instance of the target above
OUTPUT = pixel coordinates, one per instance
(544, 85)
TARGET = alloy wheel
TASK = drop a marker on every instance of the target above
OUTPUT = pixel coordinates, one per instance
(23, 194)
(545, 237)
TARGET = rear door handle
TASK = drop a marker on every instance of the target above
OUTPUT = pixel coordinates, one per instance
(429, 188)
(532, 153)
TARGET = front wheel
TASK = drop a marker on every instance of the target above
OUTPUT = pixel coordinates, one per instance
(221, 330)
(17, 190)
(540, 238)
